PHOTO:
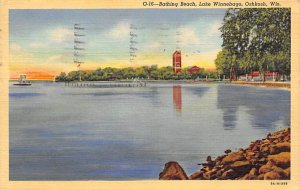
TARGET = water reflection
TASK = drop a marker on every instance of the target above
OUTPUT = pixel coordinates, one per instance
(265, 107)
(200, 91)
(177, 98)
(129, 133)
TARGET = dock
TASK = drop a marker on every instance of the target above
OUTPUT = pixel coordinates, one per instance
(106, 84)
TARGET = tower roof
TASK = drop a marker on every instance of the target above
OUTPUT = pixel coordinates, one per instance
(177, 52)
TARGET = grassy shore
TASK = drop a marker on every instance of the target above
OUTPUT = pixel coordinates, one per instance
(265, 84)
(284, 85)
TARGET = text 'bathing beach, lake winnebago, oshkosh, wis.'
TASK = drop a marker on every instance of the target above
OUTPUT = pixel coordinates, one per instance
(208, 4)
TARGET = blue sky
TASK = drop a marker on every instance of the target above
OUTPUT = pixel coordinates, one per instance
(43, 39)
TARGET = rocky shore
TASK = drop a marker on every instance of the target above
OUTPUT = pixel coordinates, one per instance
(265, 159)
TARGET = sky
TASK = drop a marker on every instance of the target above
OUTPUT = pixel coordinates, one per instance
(42, 41)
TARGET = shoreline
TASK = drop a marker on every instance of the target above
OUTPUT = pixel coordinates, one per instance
(265, 159)
(279, 85)
(268, 84)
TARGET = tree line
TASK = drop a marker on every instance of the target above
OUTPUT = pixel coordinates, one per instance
(146, 72)
(256, 39)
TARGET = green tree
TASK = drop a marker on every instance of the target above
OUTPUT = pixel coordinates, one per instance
(255, 39)
(61, 77)
(223, 62)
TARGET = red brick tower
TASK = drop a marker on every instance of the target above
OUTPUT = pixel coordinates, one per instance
(177, 61)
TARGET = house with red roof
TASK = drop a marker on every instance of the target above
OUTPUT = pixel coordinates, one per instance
(193, 69)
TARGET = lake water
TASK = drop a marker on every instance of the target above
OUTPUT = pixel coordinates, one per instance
(72, 133)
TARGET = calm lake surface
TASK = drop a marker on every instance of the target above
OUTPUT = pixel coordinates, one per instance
(72, 133)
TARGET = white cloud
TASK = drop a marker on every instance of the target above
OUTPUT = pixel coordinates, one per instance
(37, 45)
(154, 45)
(214, 28)
(54, 58)
(60, 35)
(187, 35)
(15, 47)
(58, 59)
(121, 30)
(19, 56)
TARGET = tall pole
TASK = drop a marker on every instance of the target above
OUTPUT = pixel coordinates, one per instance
(78, 43)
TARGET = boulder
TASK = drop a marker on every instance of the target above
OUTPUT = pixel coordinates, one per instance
(265, 149)
(250, 153)
(229, 174)
(265, 141)
(241, 167)
(249, 177)
(287, 138)
(271, 167)
(287, 173)
(255, 147)
(262, 160)
(252, 177)
(280, 147)
(208, 158)
(173, 171)
(266, 168)
(276, 136)
(245, 177)
(220, 172)
(197, 175)
(209, 164)
(260, 177)
(205, 169)
(257, 156)
(232, 157)
(280, 171)
(286, 130)
(282, 159)
(219, 158)
(210, 175)
(253, 171)
(272, 175)
(254, 162)
(218, 163)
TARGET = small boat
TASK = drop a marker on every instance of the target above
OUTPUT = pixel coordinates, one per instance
(23, 81)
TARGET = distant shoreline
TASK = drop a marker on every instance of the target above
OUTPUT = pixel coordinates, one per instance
(279, 85)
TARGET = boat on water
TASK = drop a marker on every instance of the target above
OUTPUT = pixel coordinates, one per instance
(23, 81)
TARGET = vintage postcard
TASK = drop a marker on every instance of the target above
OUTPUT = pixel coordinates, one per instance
(149, 94)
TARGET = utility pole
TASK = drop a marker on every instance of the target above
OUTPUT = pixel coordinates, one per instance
(78, 47)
